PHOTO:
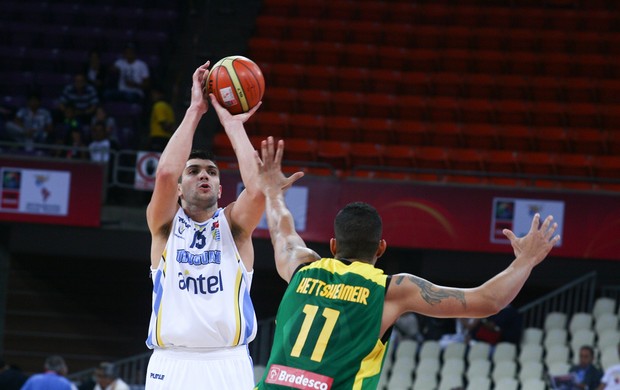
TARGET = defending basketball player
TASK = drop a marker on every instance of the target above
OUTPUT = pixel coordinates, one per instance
(202, 259)
(334, 320)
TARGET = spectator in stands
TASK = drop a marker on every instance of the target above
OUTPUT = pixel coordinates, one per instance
(587, 375)
(462, 334)
(70, 137)
(611, 378)
(32, 124)
(406, 327)
(96, 71)
(11, 378)
(111, 129)
(162, 121)
(53, 378)
(82, 96)
(504, 326)
(358, 301)
(133, 77)
(107, 378)
(100, 145)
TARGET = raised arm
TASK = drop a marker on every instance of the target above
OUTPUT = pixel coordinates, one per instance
(290, 250)
(411, 293)
(163, 204)
(245, 213)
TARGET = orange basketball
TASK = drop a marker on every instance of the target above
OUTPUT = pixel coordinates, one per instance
(237, 83)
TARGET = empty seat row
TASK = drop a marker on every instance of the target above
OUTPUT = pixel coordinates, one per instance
(446, 84)
(335, 53)
(454, 15)
(435, 36)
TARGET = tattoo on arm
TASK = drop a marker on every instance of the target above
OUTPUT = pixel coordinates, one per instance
(433, 295)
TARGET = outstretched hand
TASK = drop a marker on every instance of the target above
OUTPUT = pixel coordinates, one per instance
(198, 83)
(226, 117)
(270, 176)
(537, 243)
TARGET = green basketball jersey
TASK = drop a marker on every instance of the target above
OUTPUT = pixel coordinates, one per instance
(327, 329)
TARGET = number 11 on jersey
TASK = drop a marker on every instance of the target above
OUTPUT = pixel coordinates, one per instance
(331, 316)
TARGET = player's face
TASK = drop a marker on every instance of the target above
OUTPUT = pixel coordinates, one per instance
(200, 183)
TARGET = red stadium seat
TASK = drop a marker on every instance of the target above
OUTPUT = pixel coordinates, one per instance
(264, 49)
(588, 141)
(385, 81)
(545, 89)
(445, 134)
(222, 146)
(581, 90)
(360, 55)
(347, 103)
(280, 99)
(547, 114)
(307, 126)
(410, 132)
(523, 63)
(366, 32)
(320, 77)
(555, 41)
(334, 153)
(512, 112)
(400, 35)
(500, 161)
(379, 105)
(465, 160)
(536, 163)
(377, 130)
(372, 11)
(268, 123)
(399, 58)
(298, 149)
(398, 156)
(313, 101)
(608, 91)
(607, 167)
(458, 37)
(515, 137)
(513, 87)
(431, 157)
(557, 65)
(342, 128)
(340, 10)
(490, 62)
(333, 30)
(446, 84)
(522, 40)
(477, 111)
(271, 26)
(454, 60)
(583, 115)
(366, 154)
(295, 52)
(304, 29)
(352, 79)
(327, 53)
(480, 136)
(551, 139)
(411, 107)
(287, 76)
(480, 86)
(490, 38)
(443, 109)
(414, 83)
(588, 42)
(574, 165)
(613, 142)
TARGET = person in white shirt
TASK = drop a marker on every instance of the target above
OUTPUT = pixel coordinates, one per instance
(611, 378)
(107, 378)
(133, 77)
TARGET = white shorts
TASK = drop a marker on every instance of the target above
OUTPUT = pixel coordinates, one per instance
(219, 369)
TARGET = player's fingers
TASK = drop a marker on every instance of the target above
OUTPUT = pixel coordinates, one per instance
(551, 230)
(546, 223)
(279, 152)
(264, 151)
(535, 222)
(509, 234)
(292, 179)
(253, 110)
(257, 158)
(555, 240)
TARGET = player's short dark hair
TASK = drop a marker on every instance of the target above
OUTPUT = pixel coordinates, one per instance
(201, 155)
(358, 229)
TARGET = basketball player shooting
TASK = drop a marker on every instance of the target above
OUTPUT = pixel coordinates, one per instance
(202, 259)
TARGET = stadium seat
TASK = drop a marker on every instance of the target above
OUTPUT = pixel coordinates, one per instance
(603, 305)
(378, 105)
(333, 30)
(450, 381)
(555, 336)
(501, 161)
(504, 351)
(430, 157)
(454, 351)
(445, 84)
(334, 153)
(314, 101)
(536, 163)
(532, 369)
(533, 384)
(307, 126)
(480, 136)
(480, 86)
(479, 350)
(587, 141)
(287, 75)
(479, 111)
(558, 353)
(551, 139)
(320, 77)
(530, 352)
(580, 320)
(512, 112)
(579, 339)
(378, 130)
(280, 99)
(386, 81)
(443, 109)
(466, 160)
(604, 322)
(352, 79)
(398, 156)
(342, 128)
(424, 382)
(607, 167)
(558, 368)
(583, 115)
(532, 335)
(445, 134)
(575, 165)
(607, 337)
(504, 369)
(479, 383)
(268, 123)
(300, 149)
(429, 349)
(365, 153)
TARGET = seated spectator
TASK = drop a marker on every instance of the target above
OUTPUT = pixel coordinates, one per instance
(53, 378)
(107, 378)
(82, 96)
(100, 144)
(101, 115)
(587, 375)
(95, 71)
(462, 334)
(162, 123)
(611, 377)
(11, 378)
(133, 77)
(32, 124)
(69, 136)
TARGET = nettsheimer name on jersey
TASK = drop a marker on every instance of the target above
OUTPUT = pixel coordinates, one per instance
(341, 291)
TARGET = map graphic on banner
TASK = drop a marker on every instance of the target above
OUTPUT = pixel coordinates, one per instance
(30, 191)
(516, 214)
(296, 199)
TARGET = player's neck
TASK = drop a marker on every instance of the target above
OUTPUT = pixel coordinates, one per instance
(199, 214)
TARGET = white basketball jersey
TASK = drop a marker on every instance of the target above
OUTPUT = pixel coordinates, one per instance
(201, 289)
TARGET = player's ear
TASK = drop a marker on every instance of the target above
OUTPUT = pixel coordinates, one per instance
(219, 192)
(381, 249)
(332, 246)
